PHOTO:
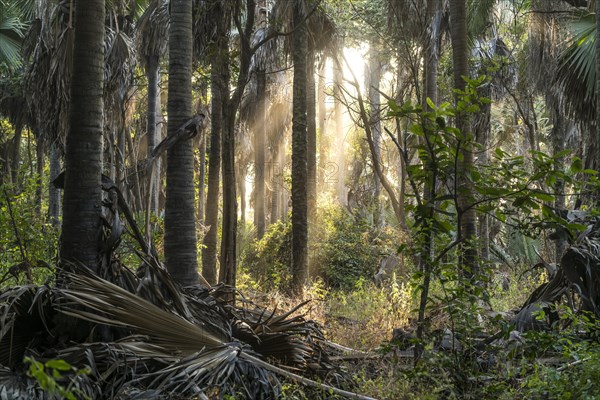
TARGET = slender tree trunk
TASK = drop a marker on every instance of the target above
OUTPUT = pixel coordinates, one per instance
(16, 155)
(219, 85)
(373, 79)
(311, 158)
(39, 182)
(82, 201)
(342, 192)
(311, 127)
(54, 193)
(467, 218)
(180, 227)
(201, 180)
(227, 271)
(481, 128)
(152, 63)
(299, 153)
(260, 175)
(322, 115)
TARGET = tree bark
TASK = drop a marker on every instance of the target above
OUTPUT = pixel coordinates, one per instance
(152, 63)
(260, 175)
(342, 192)
(467, 231)
(299, 153)
(373, 79)
(322, 115)
(180, 227)
(219, 84)
(82, 202)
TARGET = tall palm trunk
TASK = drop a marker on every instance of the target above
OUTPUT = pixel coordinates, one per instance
(218, 85)
(342, 193)
(180, 227)
(322, 115)
(299, 153)
(152, 64)
(260, 174)
(83, 159)
(466, 214)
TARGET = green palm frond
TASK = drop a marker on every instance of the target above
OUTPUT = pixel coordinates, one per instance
(576, 73)
(12, 32)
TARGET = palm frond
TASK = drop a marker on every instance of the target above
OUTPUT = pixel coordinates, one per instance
(576, 73)
(108, 304)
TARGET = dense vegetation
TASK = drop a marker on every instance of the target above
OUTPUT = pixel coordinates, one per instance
(299, 199)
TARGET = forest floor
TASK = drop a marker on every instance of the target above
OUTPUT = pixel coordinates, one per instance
(365, 319)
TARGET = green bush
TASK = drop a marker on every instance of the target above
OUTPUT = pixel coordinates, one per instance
(268, 260)
(346, 248)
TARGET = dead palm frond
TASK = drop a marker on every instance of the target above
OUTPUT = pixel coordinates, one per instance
(581, 265)
(25, 314)
(152, 31)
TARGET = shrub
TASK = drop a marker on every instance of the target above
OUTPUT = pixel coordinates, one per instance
(268, 260)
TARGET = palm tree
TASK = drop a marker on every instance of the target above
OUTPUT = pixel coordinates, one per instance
(219, 81)
(12, 32)
(299, 152)
(466, 213)
(152, 36)
(180, 227)
(82, 202)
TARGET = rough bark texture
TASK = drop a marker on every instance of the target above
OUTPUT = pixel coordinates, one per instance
(180, 226)
(311, 128)
(83, 159)
(467, 218)
(218, 84)
(299, 156)
(228, 268)
(342, 192)
(152, 73)
(322, 115)
(260, 175)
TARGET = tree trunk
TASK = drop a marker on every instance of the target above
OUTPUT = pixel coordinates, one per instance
(201, 180)
(373, 79)
(299, 153)
(322, 115)
(467, 231)
(209, 253)
(342, 192)
(180, 227)
(152, 64)
(260, 175)
(82, 201)
(16, 155)
(54, 193)
(311, 128)
(39, 182)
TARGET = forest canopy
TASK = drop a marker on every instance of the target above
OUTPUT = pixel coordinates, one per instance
(299, 199)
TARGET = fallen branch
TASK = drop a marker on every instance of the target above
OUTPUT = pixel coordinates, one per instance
(303, 380)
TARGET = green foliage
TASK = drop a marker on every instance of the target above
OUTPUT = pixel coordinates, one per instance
(27, 241)
(268, 260)
(53, 375)
(347, 251)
